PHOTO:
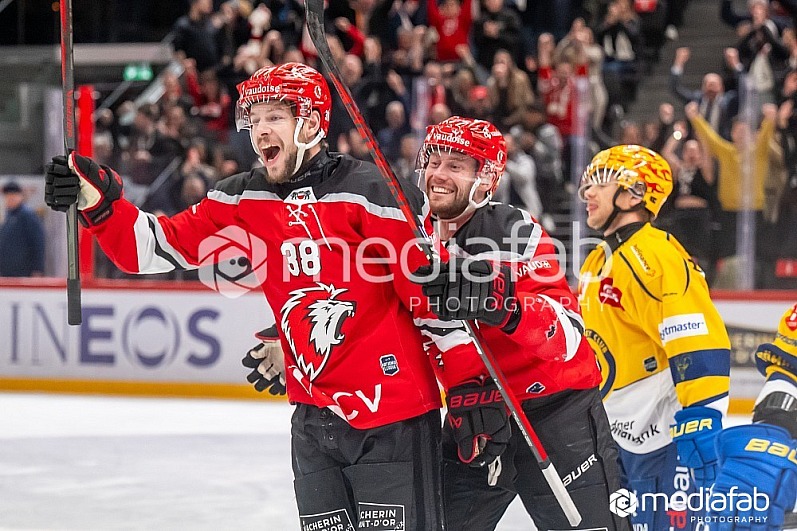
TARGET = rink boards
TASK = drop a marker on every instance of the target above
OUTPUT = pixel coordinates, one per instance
(182, 339)
(150, 338)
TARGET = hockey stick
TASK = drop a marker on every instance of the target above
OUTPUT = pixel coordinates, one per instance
(315, 27)
(74, 314)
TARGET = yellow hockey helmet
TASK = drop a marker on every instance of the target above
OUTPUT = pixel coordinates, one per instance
(786, 338)
(640, 170)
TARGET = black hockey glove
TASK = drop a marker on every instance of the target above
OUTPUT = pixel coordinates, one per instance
(81, 180)
(268, 362)
(472, 290)
(479, 422)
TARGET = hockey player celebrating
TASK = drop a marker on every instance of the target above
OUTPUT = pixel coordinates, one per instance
(663, 348)
(366, 426)
(762, 457)
(536, 336)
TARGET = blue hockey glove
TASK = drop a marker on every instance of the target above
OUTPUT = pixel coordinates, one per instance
(758, 460)
(694, 433)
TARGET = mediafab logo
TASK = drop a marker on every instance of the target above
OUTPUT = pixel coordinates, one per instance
(625, 503)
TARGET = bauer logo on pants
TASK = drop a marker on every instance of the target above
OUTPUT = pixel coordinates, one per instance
(332, 521)
(381, 517)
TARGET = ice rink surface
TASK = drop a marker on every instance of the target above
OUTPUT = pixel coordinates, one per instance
(99, 463)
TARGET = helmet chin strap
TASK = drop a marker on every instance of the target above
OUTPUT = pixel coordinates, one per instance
(254, 146)
(451, 224)
(473, 189)
(617, 210)
(303, 146)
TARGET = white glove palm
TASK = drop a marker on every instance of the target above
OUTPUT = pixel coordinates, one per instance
(268, 362)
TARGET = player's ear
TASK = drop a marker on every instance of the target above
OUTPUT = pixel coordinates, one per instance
(634, 196)
(484, 184)
(312, 124)
(485, 178)
(634, 200)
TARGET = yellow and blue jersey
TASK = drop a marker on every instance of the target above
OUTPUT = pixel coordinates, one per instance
(660, 341)
(777, 361)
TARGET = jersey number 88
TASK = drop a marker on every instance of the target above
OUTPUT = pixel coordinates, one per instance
(303, 258)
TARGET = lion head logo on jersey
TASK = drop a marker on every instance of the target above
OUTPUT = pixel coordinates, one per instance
(312, 320)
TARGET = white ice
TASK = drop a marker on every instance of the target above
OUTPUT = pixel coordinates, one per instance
(99, 463)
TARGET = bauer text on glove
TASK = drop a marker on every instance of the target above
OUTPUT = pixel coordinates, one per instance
(694, 434)
(757, 476)
(479, 421)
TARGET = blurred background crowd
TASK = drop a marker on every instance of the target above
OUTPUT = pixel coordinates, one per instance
(710, 84)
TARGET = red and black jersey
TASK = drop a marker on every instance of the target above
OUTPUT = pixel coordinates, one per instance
(327, 251)
(547, 352)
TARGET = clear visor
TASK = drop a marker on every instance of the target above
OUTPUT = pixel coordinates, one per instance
(603, 175)
(597, 175)
(242, 117)
(242, 120)
(582, 189)
(450, 168)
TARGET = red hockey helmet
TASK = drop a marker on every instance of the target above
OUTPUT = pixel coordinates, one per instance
(293, 82)
(478, 139)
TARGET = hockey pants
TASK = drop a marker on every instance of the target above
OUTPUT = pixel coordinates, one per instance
(574, 430)
(385, 478)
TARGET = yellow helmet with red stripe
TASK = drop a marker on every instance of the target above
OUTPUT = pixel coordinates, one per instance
(641, 171)
(786, 338)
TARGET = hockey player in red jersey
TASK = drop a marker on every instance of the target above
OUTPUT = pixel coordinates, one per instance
(530, 320)
(366, 426)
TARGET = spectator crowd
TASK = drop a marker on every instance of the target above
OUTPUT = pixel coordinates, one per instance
(547, 72)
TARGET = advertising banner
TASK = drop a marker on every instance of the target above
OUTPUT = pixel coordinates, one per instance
(192, 336)
(195, 337)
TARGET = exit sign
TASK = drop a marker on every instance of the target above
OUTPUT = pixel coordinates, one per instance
(138, 72)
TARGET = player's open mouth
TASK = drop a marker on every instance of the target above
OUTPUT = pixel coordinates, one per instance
(270, 153)
(441, 190)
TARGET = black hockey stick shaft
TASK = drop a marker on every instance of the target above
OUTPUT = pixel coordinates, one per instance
(74, 314)
(315, 26)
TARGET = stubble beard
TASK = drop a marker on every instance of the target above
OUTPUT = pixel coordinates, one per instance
(451, 209)
(284, 174)
(593, 223)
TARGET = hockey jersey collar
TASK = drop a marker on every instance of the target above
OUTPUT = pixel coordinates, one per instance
(313, 172)
(623, 234)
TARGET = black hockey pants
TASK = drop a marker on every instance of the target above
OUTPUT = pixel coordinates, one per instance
(385, 478)
(574, 430)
